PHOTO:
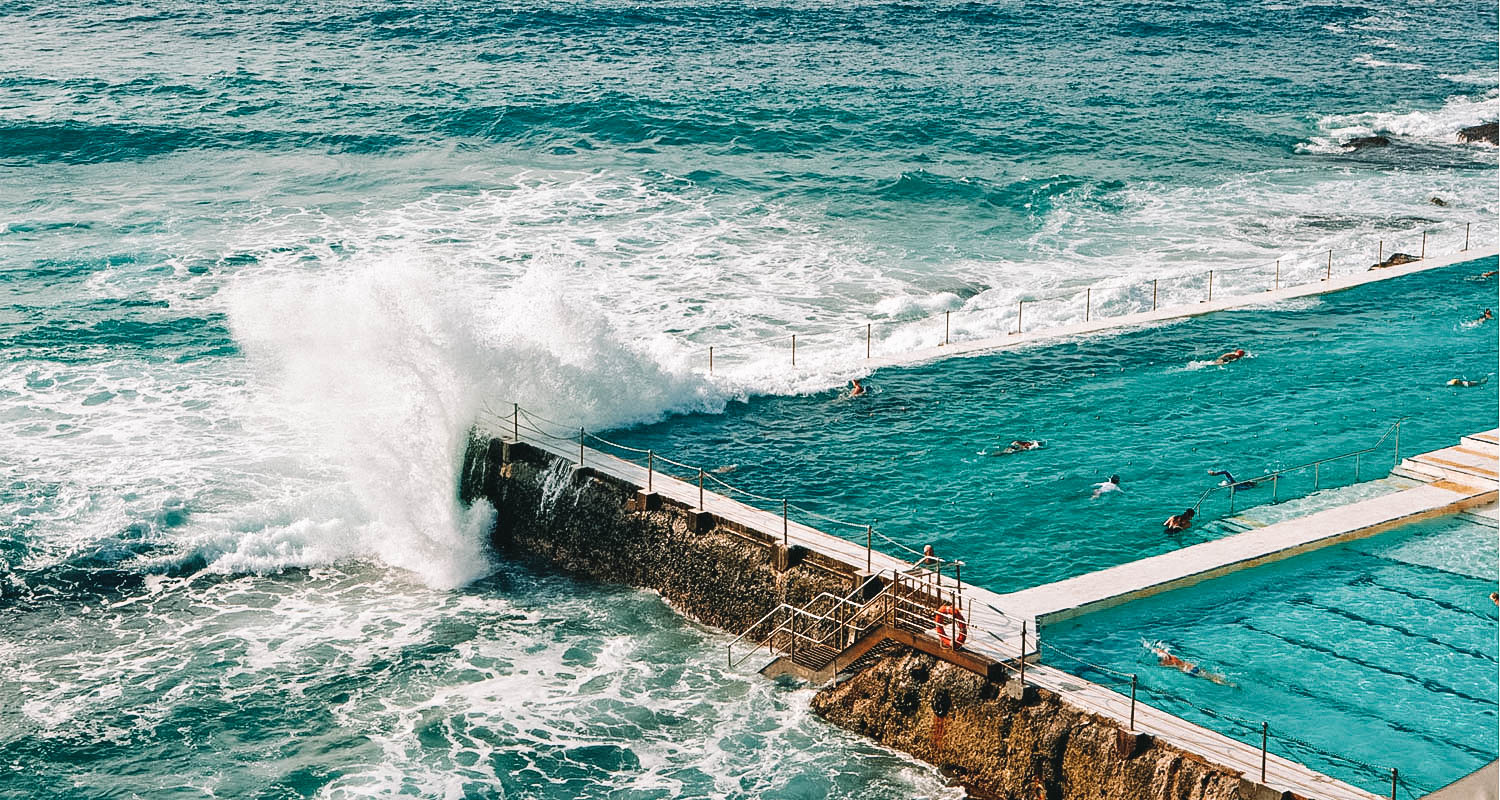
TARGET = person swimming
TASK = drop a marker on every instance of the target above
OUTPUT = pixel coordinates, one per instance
(856, 388)
(1230, 481)
(1486, 316)
(1165, 658)
(1466, 383)
(1178, 523)
(1020, 446)
(1232, 355)
(1110, 486)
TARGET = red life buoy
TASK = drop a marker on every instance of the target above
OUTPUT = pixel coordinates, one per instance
(960, 629)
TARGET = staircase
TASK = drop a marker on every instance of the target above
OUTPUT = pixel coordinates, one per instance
(830, 634)
(1474, 461)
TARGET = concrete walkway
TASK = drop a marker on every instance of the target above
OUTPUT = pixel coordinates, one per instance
(1338, 283)
(1096, 591)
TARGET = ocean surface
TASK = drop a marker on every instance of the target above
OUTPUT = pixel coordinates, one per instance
(262, 263)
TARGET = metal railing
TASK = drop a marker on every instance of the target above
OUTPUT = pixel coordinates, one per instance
(1263, 728)
(572, 440)
(815, 634)
(1103, 301)
(1274, 479)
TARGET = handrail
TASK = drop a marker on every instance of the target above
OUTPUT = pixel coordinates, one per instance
(1318, 263)
(522, 422)
(1395, 428)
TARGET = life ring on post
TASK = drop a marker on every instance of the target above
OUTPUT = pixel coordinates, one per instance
(958, 629)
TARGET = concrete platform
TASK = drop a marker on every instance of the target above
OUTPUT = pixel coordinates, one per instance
(1096, 591)
(1457, 481)
(1338, 283)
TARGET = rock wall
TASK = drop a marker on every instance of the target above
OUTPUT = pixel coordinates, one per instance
(551, 515)
(582, 523)
(999, 746)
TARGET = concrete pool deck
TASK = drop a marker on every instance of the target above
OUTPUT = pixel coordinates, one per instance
(996, 620)
(1457, 478)
(1335, 283)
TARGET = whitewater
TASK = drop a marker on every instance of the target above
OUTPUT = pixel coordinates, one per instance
(262, 266)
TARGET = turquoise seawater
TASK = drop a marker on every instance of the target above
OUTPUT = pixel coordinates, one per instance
(262, 263)
(1381, 651)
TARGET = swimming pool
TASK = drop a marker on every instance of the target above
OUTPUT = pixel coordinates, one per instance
(917, 456)
(1382, 651)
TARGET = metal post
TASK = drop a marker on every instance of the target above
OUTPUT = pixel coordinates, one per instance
(1393, 783)
(1423, 253)
(1153, 294)
(1265, 729)
(1020, 304)
(1278, 276)
(710, 359)
(869, 546)
(1274, 480)
(1328, 276)
(700, 488)
(580, 447)
(1380, 252)
(515, 421)
(1231, 498)
(1088, 302)
(1398, 443)
(1466, 236)
(1315, 475)
(958, 574)
(867, 340)
(1132, 703)
(1210, 286)
(1356, 467)
(650, 468)
(946, 316)
(794, 349)
(784, 524)
(1023, 658)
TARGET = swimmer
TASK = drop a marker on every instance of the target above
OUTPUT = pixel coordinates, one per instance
(1232, 355)
(1465, 383)
(1179, 522)
(1230, 481)
(1020, 446)
(1489, 274)
(1110, 486)
(1165, 658)
(855, 388)
(725, 470)
(1486, 316)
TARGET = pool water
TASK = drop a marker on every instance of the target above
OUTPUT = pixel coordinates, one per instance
(1375, 654)
(917, 456)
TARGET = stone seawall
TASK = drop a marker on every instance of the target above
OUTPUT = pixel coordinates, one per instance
(991, 738)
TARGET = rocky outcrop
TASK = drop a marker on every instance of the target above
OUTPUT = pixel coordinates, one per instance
(1394, 260)
(1366, 142)
(1005, 748)
(1488, 132)
(550, 515)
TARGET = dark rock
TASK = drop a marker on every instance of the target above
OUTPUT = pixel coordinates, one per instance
(1395, 259)
(999, 748)
(1363, 142)
(1438, 201)
(1488, 132)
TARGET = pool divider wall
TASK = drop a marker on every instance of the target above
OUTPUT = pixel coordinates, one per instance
(997, 740)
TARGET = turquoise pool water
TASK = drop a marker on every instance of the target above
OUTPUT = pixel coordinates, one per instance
(1382, 651)
(917, 455)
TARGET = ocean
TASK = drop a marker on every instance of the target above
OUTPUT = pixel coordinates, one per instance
(261, 264)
